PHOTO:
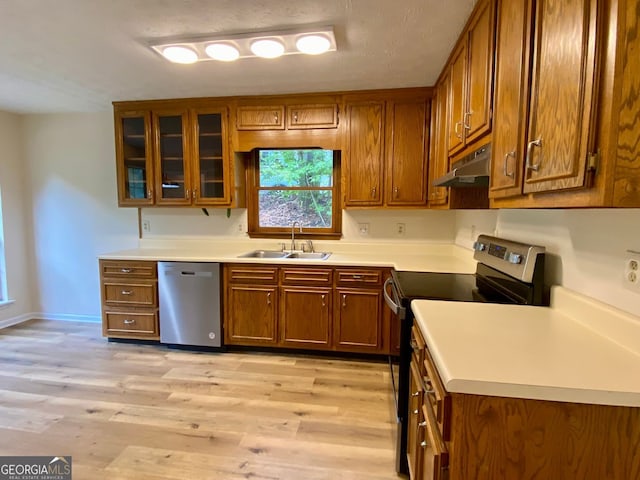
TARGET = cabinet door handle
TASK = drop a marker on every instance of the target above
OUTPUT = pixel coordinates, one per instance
(187, 194)
(269, 298)
(126, 292)
(424, 444)
(295, 117)
(465, 123)
(455, 130)
(422, 424)
(530, 145)
(193, 193)
(395, 192)
(275, 117)
(415, 412)
(126, 270)
(505, 168)
(415, 394)
(323, 296)
(373, 192)
(150, 194)
(128, 321)
(344, 300)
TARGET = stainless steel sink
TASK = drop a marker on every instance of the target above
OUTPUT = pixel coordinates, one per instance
(277, 254)
(264, 254)
(310, 255)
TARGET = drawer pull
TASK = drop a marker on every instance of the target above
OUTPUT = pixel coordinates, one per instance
(422, 424)
(126, 270)
(424, 444)
(415, 394)
(414, 344)
(128, 321)
(415, 412)
(357, 277)
(126, 292)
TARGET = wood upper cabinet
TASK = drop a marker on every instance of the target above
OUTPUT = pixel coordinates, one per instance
(291, 117)
(260, 117)
(563, 95)
(511, 98)
(407, 142)
(134, 156)
(168, 155)
(542, 137)
(172, 157)
(439, 158)
(471, 78)
(386, 147)
(364, 155)
(312, 116)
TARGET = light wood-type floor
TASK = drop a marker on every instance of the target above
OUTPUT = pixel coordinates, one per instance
(126, 411)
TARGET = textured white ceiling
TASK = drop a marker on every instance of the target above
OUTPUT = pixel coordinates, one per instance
(80, 55)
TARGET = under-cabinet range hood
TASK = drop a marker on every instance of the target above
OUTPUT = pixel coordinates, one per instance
(470, 171)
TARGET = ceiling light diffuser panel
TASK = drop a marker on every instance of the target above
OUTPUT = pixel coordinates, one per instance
(227, 48)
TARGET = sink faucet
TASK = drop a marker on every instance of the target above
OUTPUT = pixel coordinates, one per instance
(293, 234)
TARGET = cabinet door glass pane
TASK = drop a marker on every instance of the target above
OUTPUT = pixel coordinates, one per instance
(172, 156)
(135, 158)
(210, 156)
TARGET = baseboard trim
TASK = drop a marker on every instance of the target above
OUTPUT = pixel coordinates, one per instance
(67, 317)
(9, 322)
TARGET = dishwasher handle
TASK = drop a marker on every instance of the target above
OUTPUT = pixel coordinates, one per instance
(186, 273)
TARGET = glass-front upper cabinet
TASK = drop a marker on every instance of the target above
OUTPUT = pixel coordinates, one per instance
(172, 157)
(210, 184)
(134, 158)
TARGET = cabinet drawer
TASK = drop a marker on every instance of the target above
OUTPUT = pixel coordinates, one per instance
(306, 276)
(252, 274)
(358, 277)
(140, 294)
(436, 395)
(128, 269)
(131, 323)
(418, 347)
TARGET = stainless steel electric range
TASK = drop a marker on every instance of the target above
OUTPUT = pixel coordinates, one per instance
(507, 272)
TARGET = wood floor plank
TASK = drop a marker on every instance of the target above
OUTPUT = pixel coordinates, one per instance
(148, 412)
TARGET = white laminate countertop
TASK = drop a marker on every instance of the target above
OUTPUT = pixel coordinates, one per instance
(401, 256)
(578, 350)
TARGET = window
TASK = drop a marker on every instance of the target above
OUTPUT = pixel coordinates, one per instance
(3, 273)
(297, 185)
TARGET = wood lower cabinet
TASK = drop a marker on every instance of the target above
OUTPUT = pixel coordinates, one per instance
(458, 436)
(313, 308)
(305, 317)
(129, 293)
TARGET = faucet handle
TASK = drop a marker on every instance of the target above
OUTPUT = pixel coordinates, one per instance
(283, 245)
(307, 246)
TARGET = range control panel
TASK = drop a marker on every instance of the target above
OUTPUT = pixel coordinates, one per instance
(513, 258)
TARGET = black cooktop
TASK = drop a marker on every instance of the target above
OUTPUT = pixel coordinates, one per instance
(457, 287)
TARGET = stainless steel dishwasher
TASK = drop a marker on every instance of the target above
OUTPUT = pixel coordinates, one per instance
(189, 303)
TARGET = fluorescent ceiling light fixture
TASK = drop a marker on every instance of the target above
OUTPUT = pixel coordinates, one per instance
(267, 48)
(313, 44)
(228, 47)
(224, 52)
(179, 54)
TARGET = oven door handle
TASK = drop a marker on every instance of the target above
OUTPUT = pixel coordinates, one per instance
(393, 303)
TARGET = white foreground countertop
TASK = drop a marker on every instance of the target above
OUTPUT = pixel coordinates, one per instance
(577, 350)
(401, 256)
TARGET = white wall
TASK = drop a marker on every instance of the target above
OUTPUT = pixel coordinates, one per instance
(420, 225)
(587, 247)
(72, 184)
(16, 216)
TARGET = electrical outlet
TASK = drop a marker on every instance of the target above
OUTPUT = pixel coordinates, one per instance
(146, 226)
(401, 229)
(632, 271)
(363, 229)
(240, 228)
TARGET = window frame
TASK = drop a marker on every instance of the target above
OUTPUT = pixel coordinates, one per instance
(254, 229)
(4, 291)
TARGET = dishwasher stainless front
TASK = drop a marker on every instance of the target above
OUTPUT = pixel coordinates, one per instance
(189, 303)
